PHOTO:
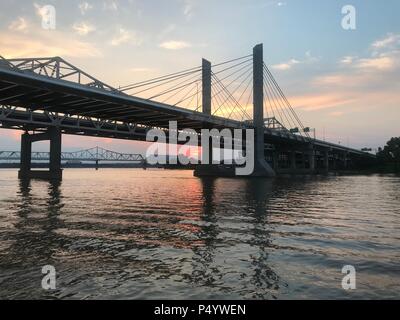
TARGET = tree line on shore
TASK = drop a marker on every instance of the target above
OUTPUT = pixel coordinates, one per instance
(388, 157)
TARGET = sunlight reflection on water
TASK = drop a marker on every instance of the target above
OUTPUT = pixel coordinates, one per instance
(126, 233)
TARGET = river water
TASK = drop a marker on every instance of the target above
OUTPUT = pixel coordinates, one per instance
(155, 234)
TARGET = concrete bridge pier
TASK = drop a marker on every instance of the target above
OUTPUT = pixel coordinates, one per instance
(326, 160)
(293, 164)
(345, 161)
(335, 161)
(275, 159)
(55, 171)
(311, 159)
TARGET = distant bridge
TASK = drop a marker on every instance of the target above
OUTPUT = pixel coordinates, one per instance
(53, 97)
(96, 154)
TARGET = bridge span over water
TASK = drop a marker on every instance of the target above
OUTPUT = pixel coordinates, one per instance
(48, 97)
(95, 154)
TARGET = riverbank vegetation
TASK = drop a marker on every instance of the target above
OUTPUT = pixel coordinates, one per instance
(389, 157)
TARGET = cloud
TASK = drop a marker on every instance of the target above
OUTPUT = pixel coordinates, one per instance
(45, 44)
(347, 60)
(110, 5)
(35, 41)
(285, 65)
(144, 70)
(348, 79)
(168, 29)
(83, 28)
(175, 45)
(379, 63)
(336, 113)
(390, 40)
(319, 101)
(19, 25)
(369, 81)
(123, 36)
(274, 4)
(84, 7)
(384, 57)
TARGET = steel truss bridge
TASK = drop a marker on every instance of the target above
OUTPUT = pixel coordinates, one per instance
(96, 154)
(53, 97)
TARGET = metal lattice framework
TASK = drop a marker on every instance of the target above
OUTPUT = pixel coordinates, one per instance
(93, 154)
(273, 123)
(57, 68)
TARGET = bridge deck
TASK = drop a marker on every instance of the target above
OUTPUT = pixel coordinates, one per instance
(22, 89)
(40, 93)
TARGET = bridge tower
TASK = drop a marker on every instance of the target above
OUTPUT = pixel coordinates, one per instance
(206, 86)
(207, 155)
(261, 167)
(55, 171)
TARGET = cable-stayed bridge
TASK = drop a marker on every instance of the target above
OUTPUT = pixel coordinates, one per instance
(50, 97)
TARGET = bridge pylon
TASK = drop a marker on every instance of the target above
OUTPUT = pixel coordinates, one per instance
(261, 166)
(55, 172)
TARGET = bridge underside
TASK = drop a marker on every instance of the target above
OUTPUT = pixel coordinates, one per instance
(286, 154)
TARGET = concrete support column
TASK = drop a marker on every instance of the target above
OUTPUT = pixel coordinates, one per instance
(275, 159)
(206, 86)
(311, 159)
(207, 155)
(55, 152)
(334, 161)
(261, 167)
(303, 160)
(326, 160)
(222, 150)
(207, 152)
(292, 155)
(55, 171)
(26, 155)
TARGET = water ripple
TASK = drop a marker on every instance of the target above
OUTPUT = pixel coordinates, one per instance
(165, 234)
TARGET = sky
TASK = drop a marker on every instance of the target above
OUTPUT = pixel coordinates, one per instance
(344, 83)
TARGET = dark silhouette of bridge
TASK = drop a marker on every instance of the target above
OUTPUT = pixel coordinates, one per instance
(95, 154)
(48, 97)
